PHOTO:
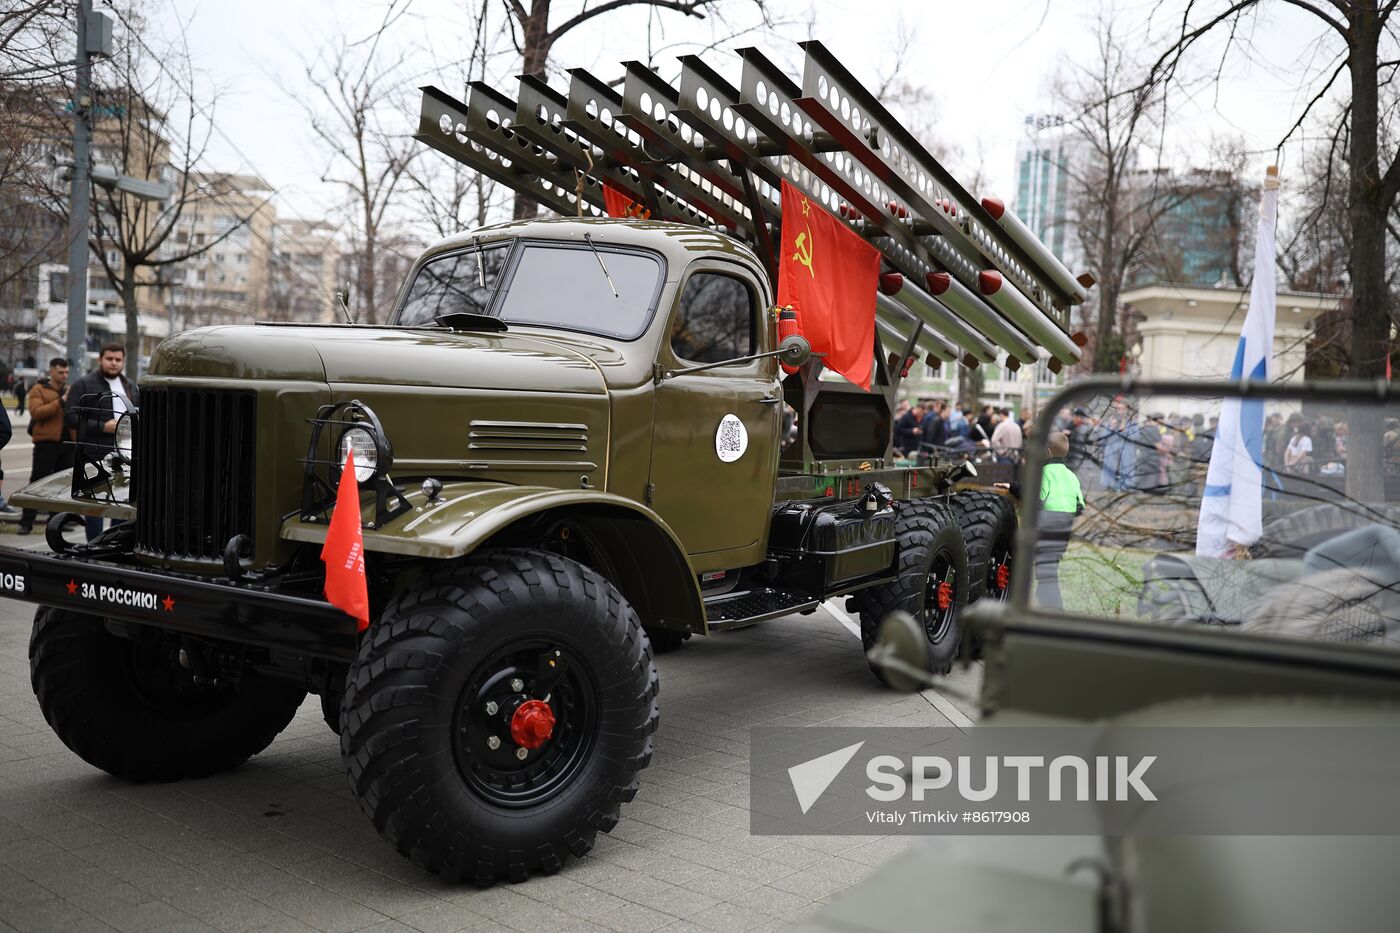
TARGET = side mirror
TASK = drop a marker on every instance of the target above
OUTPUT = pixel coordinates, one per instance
(901, 652)
(795, 350)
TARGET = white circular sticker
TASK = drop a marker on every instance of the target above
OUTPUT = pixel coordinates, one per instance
(731, 440)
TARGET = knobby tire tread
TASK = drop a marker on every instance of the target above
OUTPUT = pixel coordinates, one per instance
(389, 687)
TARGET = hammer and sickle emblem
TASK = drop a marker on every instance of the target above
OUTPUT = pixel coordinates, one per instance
(804, 251)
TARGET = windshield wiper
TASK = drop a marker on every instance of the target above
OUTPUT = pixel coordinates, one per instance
(480, 263)
(588, 238)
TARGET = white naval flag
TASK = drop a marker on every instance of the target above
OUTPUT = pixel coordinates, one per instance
(1232, 502)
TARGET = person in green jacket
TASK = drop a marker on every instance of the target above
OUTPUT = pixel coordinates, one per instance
(1061, 499)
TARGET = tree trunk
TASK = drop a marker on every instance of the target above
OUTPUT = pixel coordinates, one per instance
(133, 322)
(970, 386)
(1107, 351)
(366, 312)
(534, 61)
(1370, 331)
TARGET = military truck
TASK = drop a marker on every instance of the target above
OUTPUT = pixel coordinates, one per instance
(569, 449)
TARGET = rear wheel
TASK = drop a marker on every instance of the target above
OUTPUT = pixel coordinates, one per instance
(988, 524)
(499, 714)
(154, 706)
(931, 584)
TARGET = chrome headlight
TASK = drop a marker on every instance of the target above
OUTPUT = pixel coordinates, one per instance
(362, 441)
(124, 439)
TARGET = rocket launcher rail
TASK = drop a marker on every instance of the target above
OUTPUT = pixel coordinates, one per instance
(708, 153)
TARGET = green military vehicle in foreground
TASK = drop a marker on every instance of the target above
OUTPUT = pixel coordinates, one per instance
(568, 442)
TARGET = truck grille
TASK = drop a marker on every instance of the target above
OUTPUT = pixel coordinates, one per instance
(193, 471)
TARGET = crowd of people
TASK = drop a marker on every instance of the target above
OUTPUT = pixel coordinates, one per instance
(1121, 449)
(86, 410)
(927, 429)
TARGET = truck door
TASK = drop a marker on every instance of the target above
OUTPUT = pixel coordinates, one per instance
(715, 438)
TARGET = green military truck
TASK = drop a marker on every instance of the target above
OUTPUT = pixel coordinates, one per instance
(570, 447)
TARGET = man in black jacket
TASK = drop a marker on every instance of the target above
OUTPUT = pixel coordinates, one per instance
(5, 433)
(96, 403)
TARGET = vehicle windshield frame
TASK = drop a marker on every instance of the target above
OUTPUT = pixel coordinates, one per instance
(1023, 614)
(517, 248)
(471, 246)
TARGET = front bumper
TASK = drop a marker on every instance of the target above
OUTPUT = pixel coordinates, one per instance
(247, 613)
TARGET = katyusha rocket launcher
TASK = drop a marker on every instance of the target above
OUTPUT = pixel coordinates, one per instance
(965, 279)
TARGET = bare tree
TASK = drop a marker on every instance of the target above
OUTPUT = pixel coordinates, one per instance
(150, 122)
(358, 120)
(449, 196)
(535, 30)
(1362, 36)
(1111, 113)
(32, 36)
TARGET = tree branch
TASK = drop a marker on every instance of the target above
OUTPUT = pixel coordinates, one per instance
(688, 7)
(1340, 28)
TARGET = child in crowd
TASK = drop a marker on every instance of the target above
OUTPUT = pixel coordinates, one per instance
(1061, 499)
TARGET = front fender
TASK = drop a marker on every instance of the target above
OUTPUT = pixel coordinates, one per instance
(54, 493)
(655, 575)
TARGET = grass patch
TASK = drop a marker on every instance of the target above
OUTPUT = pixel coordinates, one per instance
(1102, 581)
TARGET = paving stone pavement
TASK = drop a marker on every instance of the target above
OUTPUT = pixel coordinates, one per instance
(281, 845)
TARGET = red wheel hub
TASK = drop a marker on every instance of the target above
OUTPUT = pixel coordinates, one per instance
(944, 594)
(1003, 576)
(532, 724)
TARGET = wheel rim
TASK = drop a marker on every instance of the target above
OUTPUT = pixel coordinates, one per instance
(940, 602)
(488, 706)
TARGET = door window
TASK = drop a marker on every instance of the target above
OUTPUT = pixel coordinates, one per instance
(715, 321)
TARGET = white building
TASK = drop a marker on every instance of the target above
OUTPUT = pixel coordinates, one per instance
(1189, 332)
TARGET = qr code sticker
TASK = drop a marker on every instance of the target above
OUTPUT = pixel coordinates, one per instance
(731, 440)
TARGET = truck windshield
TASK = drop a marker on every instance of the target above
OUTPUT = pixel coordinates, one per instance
(562, 285)
(454, 283)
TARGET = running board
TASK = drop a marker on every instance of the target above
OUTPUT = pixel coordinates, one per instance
(736, 610)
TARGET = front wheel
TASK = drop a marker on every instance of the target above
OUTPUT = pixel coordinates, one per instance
(154, 706)
(499, 714)
(931, 584)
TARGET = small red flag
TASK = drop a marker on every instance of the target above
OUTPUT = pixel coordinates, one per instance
(620, 205)
(829, 276)
(344, 550)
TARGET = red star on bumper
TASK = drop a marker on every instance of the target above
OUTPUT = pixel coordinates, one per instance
(169, 603)
(72, 588)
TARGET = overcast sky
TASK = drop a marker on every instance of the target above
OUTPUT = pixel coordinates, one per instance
(988, 65)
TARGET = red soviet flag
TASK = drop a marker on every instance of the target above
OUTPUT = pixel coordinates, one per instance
(829, 275)
(620, 205)
(344, 550)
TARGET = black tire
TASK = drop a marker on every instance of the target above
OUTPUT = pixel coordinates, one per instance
(1294, 534)
(664, 641)
(415, 728)
(127, 706)
(330, 710)
(988, 523)
(931, 551)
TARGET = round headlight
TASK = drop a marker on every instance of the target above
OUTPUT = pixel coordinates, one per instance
(124, 439)
(361, 441)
